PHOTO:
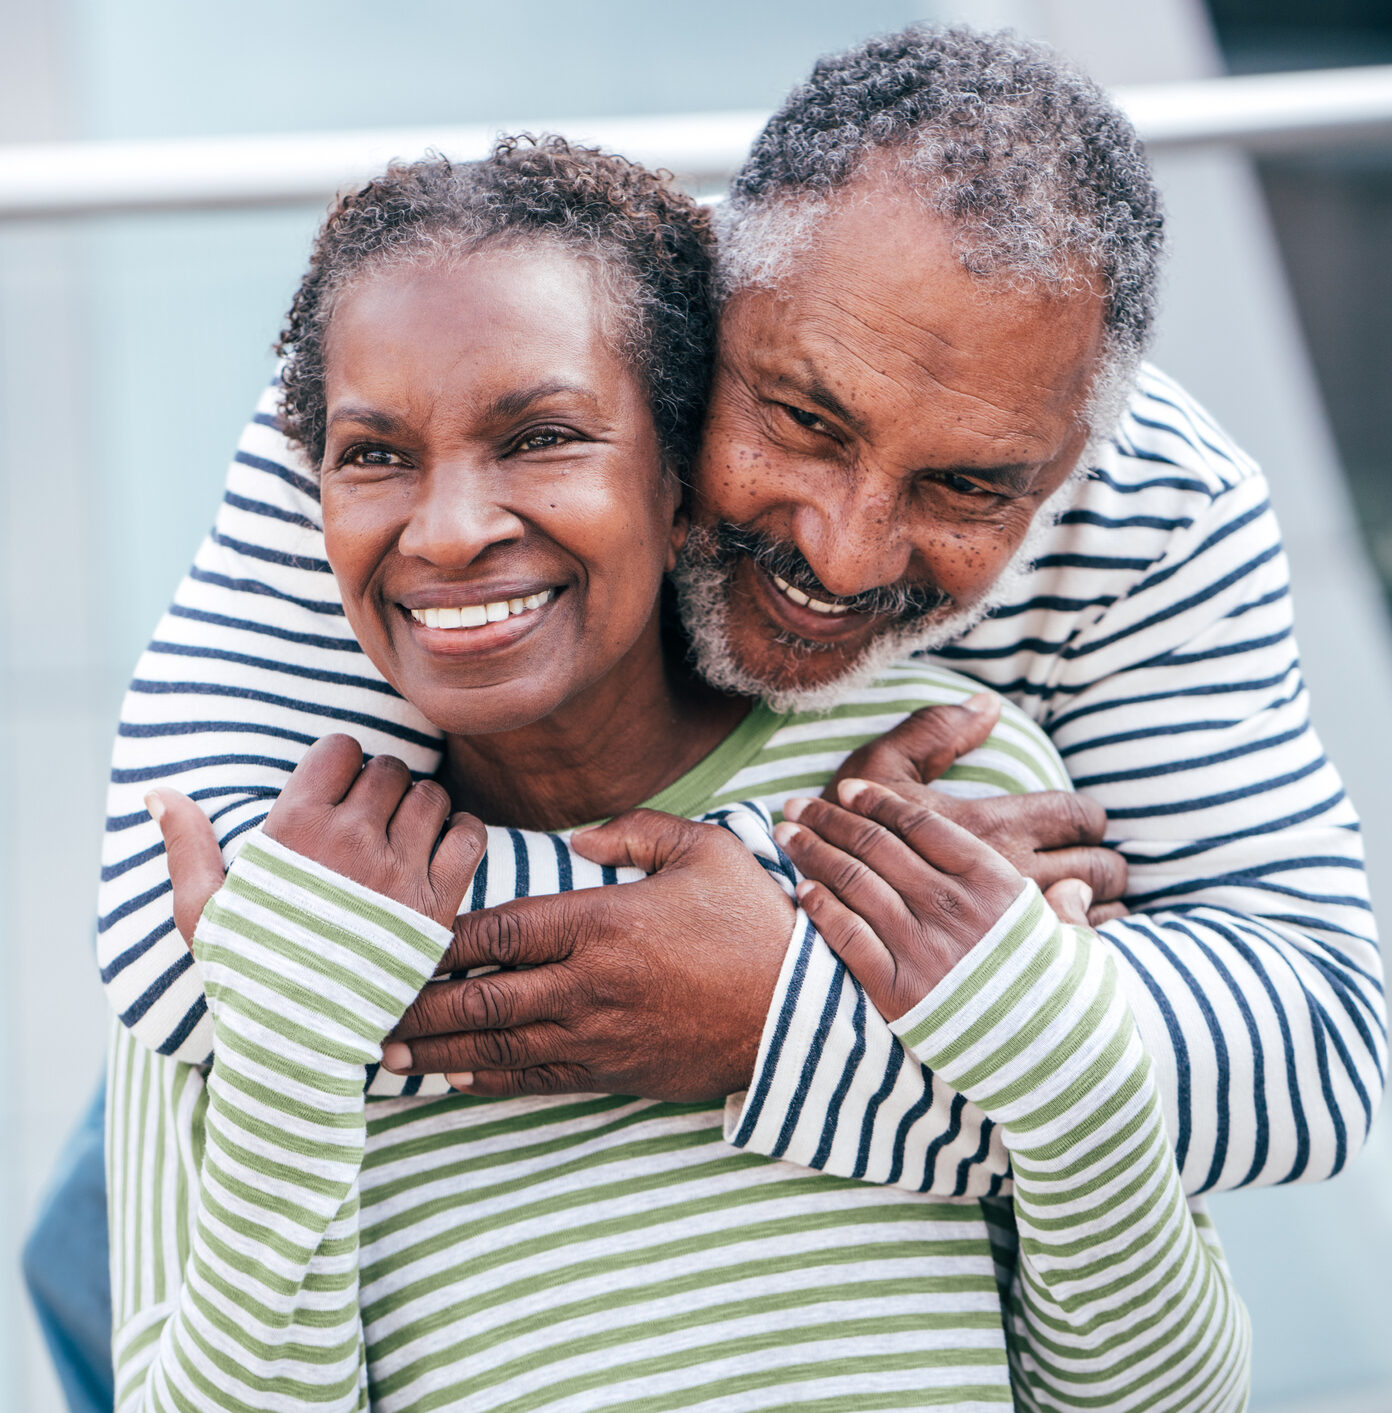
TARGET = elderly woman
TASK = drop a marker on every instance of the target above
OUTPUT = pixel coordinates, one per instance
(499, 372)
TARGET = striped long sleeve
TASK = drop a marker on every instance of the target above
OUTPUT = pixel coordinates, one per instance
(235, 1268)
(1119, 1299)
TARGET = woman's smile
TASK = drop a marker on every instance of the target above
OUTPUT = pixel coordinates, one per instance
(463, 622)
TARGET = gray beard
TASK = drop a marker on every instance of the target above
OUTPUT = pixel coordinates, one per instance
(704, 583)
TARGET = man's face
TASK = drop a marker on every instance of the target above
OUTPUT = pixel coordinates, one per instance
(882, 430)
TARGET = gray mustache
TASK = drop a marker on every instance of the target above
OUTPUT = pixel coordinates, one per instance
(725, 544)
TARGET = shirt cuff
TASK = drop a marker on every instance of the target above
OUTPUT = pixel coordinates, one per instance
(294, 949)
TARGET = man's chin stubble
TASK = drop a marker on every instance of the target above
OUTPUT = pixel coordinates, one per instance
(704, 584)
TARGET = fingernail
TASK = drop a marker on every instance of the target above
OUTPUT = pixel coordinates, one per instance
(795, 807)
(155, 805)
(802, 890)
(396, 1056)
(784, 832)
(1087, 894)
(849, 791)
(459, 1081)
(980, 702)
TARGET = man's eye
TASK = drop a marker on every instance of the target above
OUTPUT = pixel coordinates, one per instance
(804, 418)
(961, 485)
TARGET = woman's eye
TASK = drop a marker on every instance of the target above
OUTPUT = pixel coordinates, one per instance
(544, 439)
(375, 456)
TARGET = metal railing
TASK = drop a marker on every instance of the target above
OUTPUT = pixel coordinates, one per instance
(41, 180)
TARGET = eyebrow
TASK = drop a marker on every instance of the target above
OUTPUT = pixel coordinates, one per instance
(381, 422)
(506, 405)
(512, 404)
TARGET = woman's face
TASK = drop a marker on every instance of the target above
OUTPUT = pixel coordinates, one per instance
(494, 505)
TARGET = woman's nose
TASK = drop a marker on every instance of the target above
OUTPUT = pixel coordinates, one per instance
(458, 514)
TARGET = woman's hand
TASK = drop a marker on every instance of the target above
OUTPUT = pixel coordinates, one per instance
(370, 823)
(898, 891)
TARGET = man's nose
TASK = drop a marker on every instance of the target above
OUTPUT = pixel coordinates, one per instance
(459, 513)
(854, 541)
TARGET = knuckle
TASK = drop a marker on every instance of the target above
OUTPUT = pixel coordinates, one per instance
(847, 876)
(946, 901)
(498, 1049)
(433, 792)
(485, 1005)
(505, 939)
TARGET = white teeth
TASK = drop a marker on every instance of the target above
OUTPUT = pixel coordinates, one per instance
(816, 605)
(475, 615)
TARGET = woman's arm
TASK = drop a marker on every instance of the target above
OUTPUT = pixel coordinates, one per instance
(234, 1202)
(1120, 1292)
(251, 665)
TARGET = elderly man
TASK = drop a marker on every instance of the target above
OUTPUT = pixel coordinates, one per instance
(928, 430)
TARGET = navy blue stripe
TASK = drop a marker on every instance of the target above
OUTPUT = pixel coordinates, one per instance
(1224, 797)
(306, 562)
(211, 689)
(894, 1064)
(911, 1116)
(253, 586)
(281, 473)
(758, 1096)
(1115, 933)
(266, 664)
(271, 512)
(565, 877)
(266, 630)
(185, 1028)
(809, 1065)
(843, 1085)
(480, 893)
(948, 1135)
(1187, 763)
(522, 864)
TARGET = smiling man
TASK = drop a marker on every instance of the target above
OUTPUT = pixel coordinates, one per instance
(929, 429)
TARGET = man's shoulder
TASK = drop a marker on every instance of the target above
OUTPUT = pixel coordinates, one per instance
(1167, 446)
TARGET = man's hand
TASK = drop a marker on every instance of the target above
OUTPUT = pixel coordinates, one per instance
(1049, 836)
(369, 822)
(897, 891)
(658, 988)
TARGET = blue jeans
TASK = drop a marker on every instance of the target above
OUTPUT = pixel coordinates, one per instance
(66, 1266)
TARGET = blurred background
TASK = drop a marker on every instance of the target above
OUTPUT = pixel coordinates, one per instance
(133, 344)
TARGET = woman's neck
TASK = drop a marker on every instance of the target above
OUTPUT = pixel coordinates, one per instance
(624, 740)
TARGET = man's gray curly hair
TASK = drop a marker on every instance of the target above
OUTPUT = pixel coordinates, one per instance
(1041, 176)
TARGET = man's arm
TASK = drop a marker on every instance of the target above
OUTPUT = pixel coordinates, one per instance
(252, 664)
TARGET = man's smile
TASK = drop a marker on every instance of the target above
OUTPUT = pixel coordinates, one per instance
(814, 620)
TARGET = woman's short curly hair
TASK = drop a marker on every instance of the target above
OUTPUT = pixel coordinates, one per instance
(650, 245)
